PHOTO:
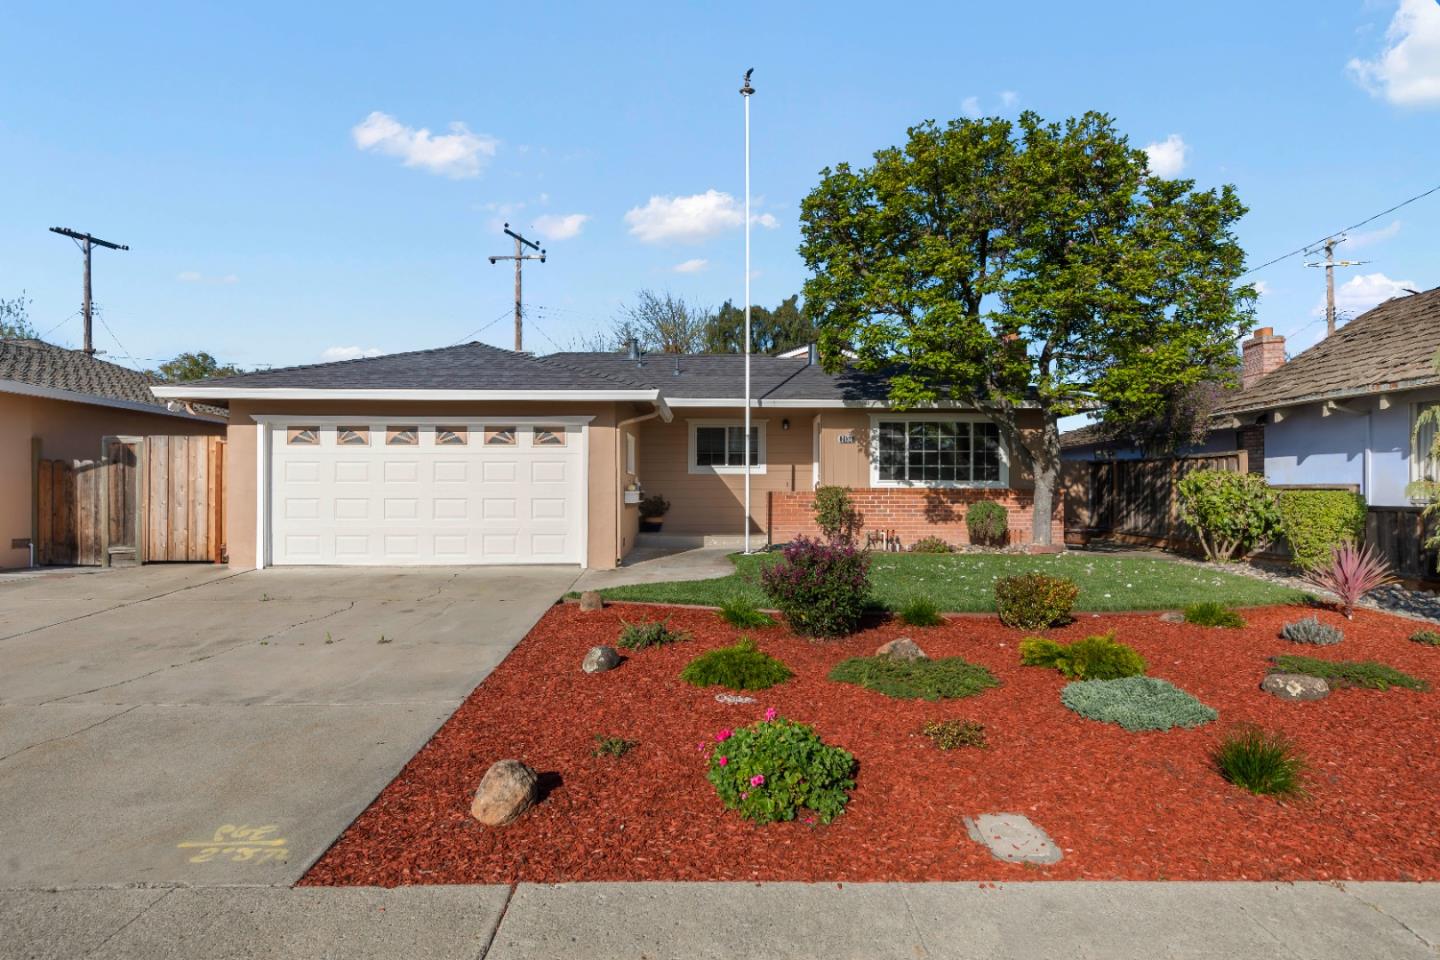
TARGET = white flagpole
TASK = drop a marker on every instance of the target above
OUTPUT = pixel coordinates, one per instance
(745, 93)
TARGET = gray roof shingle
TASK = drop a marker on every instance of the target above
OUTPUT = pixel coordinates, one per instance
(40, 364)
(698, 376)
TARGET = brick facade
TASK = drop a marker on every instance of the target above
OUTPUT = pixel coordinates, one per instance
(913, 513)
(1252, 441)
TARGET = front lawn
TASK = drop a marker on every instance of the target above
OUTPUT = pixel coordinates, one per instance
(965, 583)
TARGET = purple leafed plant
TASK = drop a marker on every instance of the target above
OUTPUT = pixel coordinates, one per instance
(820, 587)
(1351, 573)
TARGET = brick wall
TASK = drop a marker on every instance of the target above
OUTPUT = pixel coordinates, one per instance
(1252, 441)
(913, 514)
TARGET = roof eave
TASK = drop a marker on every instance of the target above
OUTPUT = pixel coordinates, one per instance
(1348, 393)
(214, 394)
(95, 400)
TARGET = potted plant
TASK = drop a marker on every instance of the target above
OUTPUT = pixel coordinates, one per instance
(652, 513)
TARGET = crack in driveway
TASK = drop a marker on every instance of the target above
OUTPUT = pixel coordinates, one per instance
(73, 733)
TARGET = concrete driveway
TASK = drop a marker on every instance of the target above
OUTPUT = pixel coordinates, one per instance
(187, 725)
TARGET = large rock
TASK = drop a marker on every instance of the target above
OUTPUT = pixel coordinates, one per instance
(901, 648)
(1295, 686)
(508, 789)
(600, 659)
(1173, 616)
(1012, 837)
(590, 601)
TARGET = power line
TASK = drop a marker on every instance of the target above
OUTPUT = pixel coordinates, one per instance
(541, 331)
(519, 256)
(1310, 246)
(60, 324)
(481, 329)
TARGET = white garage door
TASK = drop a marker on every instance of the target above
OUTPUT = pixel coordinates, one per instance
(381, 492)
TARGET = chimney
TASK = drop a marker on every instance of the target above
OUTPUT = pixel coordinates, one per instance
(812, 354)
(1261, 354)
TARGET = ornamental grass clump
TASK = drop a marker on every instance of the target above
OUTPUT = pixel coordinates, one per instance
(920, 612)
(1351, 573)
(1426, 638)
(1263, 763)
(742, 613)
(777, 769)
(953, 734)
(1310, 630)
(657, 633)
(1034, 601)
(741, 667)
(1136, 703)
(821, 588)
(1350, 673)
(988, 523)
(943, 679)
(1213, 614)
(1094, 658)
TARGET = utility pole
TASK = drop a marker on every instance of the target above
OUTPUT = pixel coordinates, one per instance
(520, 256)
(1330, 263)
(85, 242)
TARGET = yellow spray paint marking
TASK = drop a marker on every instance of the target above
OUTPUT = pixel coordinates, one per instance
(240, 843)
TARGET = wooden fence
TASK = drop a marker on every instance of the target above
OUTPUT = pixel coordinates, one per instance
(1134, 501)
(146, 500)
(1399, 533)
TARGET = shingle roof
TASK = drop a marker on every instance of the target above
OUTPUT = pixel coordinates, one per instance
(1083, 436)
(40, 364)
(697, 376)
(1391, 347)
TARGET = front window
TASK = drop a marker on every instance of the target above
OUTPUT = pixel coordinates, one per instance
(1423, 466)
(720, 447)
(938, 452)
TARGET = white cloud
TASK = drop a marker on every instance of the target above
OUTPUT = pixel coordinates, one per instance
(694, 265)
(194, 276)
(554, 226)
(331, 354)
(1262, 288)
(690, 219)
(1167, 157)
(1363, 291)
(970, 106)
(1368, 238)
(457, 154)
(1407, 71)
(1008, 98)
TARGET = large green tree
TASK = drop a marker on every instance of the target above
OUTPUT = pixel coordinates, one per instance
(771, 331)
(195, 366)
(15, 318)
(1025, 266)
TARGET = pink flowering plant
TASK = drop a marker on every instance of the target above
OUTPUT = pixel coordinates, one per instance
(775, 769)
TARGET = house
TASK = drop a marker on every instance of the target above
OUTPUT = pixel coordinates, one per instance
(472, 454)
(60, 404)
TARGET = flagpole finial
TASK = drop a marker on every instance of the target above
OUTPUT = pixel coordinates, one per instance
(746, 89)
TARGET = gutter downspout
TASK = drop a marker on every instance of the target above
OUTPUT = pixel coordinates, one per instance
(620, 472)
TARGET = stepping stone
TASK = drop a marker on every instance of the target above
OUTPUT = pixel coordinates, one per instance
(734, 699)
(1013, 838)
(1172, 617)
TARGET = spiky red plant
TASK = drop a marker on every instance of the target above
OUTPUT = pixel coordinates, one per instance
(1351, 573)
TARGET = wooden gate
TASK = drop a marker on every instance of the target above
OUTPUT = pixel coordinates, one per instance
(1134, 501)
(150, 499)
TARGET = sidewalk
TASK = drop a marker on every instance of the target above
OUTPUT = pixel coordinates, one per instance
(1107, 921)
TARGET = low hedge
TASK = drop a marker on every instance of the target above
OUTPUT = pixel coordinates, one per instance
(1315, 522)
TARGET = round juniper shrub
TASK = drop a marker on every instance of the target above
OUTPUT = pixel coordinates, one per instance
(821, 588)
(1033, 601)
(777, 768)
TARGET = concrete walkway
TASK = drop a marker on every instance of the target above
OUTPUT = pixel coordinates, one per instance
(659, 564)
(1106, 921)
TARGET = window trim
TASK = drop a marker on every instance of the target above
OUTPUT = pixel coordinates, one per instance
(907, 418)
(756, 468)
(1418, 457)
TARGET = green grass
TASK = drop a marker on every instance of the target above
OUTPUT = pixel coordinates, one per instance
(1350, 673)
(965, 583)
(1212, 613)
(943, 679)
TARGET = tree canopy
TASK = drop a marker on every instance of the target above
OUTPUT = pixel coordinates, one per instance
(1026, 264)
(771, 331)
(15, 319)
(194, 366)
(661, 322)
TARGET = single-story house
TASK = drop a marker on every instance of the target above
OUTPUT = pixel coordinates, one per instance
(472, 454)
(60, 404)
(1342, 413)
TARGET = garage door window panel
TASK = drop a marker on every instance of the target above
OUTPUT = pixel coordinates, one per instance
(402, 436)
(499, 436)
(303, 436)
(452, 436)
(352, 436)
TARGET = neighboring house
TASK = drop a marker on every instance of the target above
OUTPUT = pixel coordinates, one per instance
(60, 404)
(472, 454)
(1340, 414)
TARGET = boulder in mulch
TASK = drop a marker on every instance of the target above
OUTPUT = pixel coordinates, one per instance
(508, 789)
(600, 659)
(1295, 686)
(590, 601)
(733, 699)
(1012, 837)
(901, 648)
(1173, 616)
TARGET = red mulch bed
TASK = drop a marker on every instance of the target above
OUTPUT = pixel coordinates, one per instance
(1141, 806)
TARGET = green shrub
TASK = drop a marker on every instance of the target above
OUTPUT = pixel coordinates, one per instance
(1136, 703)
(741, 667)
(945, 678)
(657, 633)
(1428, 638)
(607, 745)
(821, 588)
(776, 768)
(951, 734)
(835, 515)
(1094, 658)
(1263, 763)
(1350, 673)
(1034, 601)
(1311, 630)
(921, 612)
(931, 545)
(987, 522)
(742, 613)
(654, 506)
(1315, 522)
(1233, 514)
(1212, 614)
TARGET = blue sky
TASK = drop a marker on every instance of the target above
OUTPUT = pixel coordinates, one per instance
(301, 181)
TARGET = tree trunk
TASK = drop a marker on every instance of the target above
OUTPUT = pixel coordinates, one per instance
(1045, 460)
